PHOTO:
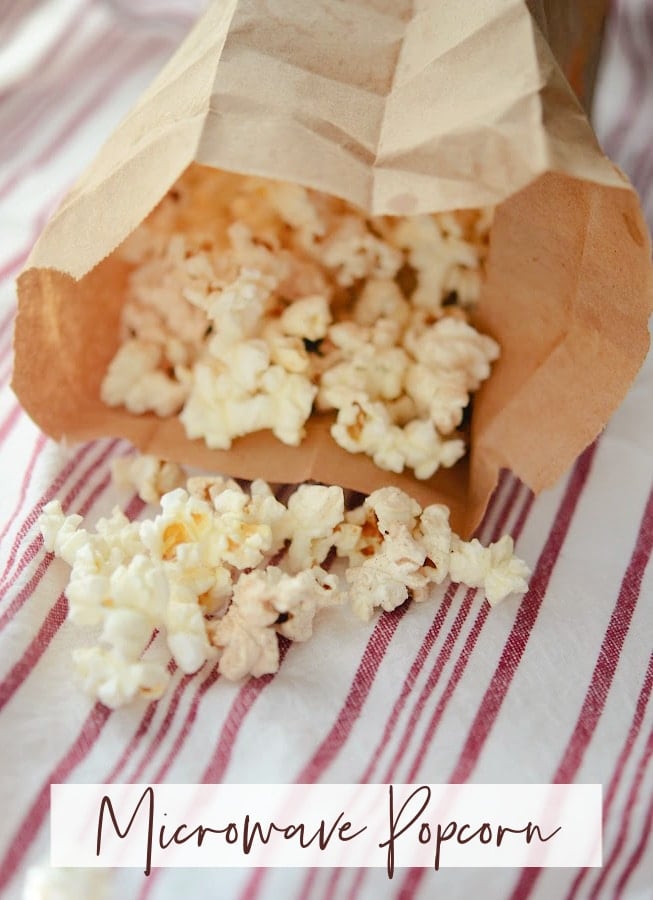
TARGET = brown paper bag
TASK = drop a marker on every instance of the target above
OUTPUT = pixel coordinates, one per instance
(400, 108)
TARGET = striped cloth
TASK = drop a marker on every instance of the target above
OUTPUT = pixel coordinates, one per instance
(556, 688)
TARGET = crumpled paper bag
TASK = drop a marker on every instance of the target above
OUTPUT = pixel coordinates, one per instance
(400, 107)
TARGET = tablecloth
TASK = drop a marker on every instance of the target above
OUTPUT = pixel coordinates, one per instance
(555, 688)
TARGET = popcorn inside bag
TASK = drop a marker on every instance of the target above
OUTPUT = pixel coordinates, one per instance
(253, 304)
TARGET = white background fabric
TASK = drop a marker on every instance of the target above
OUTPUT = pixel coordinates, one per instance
(555, 688)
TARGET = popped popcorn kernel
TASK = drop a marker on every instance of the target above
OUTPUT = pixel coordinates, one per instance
(264, 601)
(115, 680)
(493, 568)
(149, 476)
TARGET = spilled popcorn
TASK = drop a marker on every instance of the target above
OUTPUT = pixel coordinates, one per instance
(255, 304)
(220, 572)
(46, 883)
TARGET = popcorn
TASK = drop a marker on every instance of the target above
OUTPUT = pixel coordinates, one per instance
(424, 451)
(354, 252)
(381, 298)
(128, 631)
(293, 204)
(254, 303)
(218, 409)
(384, 579)
(183, 520)
(435, 536)
(307, 318)
(134, 380)
(201, 574)
(186, 630)
(206, 487)
(47, 883)
(492, 568)
(115, 680)
(237, 309)
(314, 511)
(285, 350)
(364, 427)
(442, 396)
(262, 601)
(402, 549)
(453, 345)
(245, 648)
(288, 404)
(151, 477)
(61, 534)
(392, 507)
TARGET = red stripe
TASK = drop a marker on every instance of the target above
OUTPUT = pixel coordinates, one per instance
(14, 18)
(636, 856)
(409, 683)
(28, 589)
(524, 623)
(78, 751)
(626, 817)
(36, 452)
(132, 60)
(463, 658)
(8, 318)
(516, 642)
(633, 733)
(163, 729)
(410, 884)
(241, 706)
(361, 686)
(332, 883)
(9, 422)
(35, 650)
(29, 105)
(443, 657)
(30, 553)
(603, 674)
(427, 645)
(218, 763)
(306, 891)
(35, 512)
(78, 71)
(139, 734)
(610, 652)
(38, 811)
(191, 715)
(7, 337)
